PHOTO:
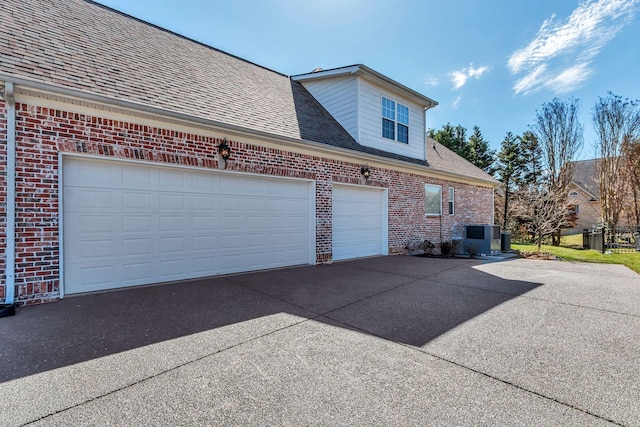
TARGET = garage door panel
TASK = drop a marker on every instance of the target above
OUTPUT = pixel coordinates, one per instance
(359, 222)
(138, 247)
(137, 272)
(93, 249)
(93, 224)
(205, 223)
(91, 276)
(172, 179)
(170, 245)
(172, 202)
(204, 266)
(137, 201)
(159, 224)
(172, 224)
(230, 185)
(174, 268)
(204, 243)
(91, 200)
(93, 175)
(134, 223)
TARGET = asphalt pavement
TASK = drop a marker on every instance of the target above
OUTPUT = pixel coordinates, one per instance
(388, 341)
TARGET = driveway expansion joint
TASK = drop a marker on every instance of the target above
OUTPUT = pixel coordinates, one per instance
(484, 374)
(166, 371)
(524, 295)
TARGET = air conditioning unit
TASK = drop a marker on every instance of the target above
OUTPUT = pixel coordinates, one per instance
(482, 239)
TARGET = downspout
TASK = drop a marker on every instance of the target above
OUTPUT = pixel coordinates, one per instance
(10, 225)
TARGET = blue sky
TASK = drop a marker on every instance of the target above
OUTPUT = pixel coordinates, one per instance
(488, 63)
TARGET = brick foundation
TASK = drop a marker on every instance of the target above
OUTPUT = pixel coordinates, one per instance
(43, 133)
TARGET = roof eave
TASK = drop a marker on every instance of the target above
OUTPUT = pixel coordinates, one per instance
(72, 93)
(363, 69)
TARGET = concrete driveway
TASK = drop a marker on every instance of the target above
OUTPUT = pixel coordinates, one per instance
(380, 341)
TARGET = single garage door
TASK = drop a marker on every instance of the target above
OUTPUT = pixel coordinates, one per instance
(360, 221)
(127, 224)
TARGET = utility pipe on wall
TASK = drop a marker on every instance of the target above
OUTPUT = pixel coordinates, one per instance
(10, 226)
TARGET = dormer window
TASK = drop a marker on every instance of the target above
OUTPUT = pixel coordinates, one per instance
(395, 121)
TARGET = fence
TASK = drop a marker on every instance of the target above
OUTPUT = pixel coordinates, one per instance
(620, 240)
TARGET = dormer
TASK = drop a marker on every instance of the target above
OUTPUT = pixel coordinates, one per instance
(377, 111)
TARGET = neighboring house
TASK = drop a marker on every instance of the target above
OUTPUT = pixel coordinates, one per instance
(584, 197)
(113, 134)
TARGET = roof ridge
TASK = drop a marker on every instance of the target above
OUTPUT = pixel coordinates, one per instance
(142, 21)
(328, 69)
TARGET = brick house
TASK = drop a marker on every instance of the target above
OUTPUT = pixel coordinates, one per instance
(115, 135)
(584, 197)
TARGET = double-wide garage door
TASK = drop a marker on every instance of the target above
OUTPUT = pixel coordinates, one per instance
(128, 224)
(360, 221)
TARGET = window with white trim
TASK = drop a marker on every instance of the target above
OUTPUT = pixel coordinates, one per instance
(451, 199)
(395, 121)
(573, 193)
(432, 199)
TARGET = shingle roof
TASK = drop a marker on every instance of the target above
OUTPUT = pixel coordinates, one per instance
(83, 45)
(443, 159)
(586, 177)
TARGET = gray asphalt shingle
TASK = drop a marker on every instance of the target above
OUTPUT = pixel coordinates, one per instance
(83, 45)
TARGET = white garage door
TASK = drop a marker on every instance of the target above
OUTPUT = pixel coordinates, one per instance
(128, 224)
(359, 222)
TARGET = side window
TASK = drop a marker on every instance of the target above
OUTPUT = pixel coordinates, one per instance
(451, 200)
(432, 199)
(388, 118)
(403, 124)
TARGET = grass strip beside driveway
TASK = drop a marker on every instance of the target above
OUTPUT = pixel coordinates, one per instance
(631, 260)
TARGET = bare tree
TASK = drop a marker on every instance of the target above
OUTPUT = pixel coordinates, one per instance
(541, 211)
(560, 136)
(617, 124)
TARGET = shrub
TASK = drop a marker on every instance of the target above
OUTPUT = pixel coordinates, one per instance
(446, 248)
(427, 247)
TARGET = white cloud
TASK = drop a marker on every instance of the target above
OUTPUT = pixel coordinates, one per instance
(560, 56)
(430, 80)
(569, 79)
(459, 77)
(456, 102)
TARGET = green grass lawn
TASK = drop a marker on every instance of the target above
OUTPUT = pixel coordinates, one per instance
(570, 250)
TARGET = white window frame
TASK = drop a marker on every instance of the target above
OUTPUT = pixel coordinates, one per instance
(452, 197)
(573, 194)
(438, 190)
(395, 118)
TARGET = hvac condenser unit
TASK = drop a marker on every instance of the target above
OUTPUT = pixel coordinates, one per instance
(482, 239)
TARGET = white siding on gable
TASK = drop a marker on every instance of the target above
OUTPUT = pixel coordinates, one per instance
(370, 112)
(339, 97)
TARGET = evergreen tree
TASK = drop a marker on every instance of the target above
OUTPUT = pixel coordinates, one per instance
(452, 137)
(475, 149)
(479, 153)
(532, 170)
(509, 170)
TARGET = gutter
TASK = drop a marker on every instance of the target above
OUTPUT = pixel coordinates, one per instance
(356, 156)
(10, 226)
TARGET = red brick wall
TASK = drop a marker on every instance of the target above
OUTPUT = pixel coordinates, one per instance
(42, 133)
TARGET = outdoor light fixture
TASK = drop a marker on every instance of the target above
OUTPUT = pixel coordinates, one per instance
(365, 172)
(224, 150)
